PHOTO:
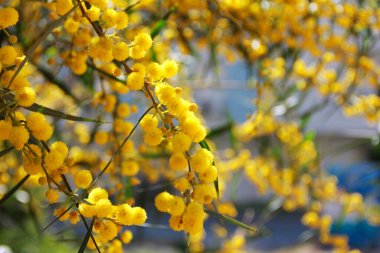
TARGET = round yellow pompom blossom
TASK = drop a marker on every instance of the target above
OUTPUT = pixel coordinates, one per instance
(101, 49)
(162, 201)
(25, 96)
(121, 20)
(129, 168)
(8, 17)
(123, 110)
(126, 237)
(32, 160)
(140, 45)
(39, 126)
(120, 51)
(164, 92)
(201, 160)
(101, 4)
(93, 13)
(176, 223)
(71, 26)
(74, 217)
(149, 122)
(182, 184)
(60, 147)
(97, 194)
(135, 81)
(178, 161)
(177, 206)
(63, 6)
(193, 218)
(86, 210)
(83, 179)
(165, 202)
(52, 196)
(103, 208)
(143, 41)
(5, 129)
(101, 137)
(154, 71)
(169, 68)
(204, 193)
(181, 142)
(138, 216)
(311, 219)
(18, 137)
(123, 214)
(54, 159)
(153, 137)
(192, 126)
(109, 18)
(209, 175)
(8, 55)
(108, 230)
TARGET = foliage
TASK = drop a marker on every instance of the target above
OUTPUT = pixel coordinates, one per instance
(89, 113)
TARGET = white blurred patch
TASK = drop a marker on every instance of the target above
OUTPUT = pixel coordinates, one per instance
(5, 249)
(23, 197)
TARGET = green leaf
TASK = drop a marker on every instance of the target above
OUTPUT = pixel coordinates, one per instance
(305, 119)
(6, 151)
(161, 23)
(205, 145)
(310, 136)
(128, 192)
(88, 79)
(232, 221)
(153, 55)
(13, 190)
(57, 114)
(87, 237)
(157, 28)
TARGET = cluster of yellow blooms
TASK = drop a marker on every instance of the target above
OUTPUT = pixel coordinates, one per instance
(301, 184)
(292, 47)
(51, 164)
(367, 106)
(54, 164)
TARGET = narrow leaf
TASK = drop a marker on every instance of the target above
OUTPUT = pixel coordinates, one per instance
(57, 114)
(13, 190)
(86, 238)
(6, 151)
(161, 23)
(128, 191)
(157, 28)
(231, 221)
(310, 136)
